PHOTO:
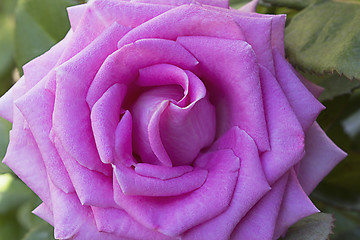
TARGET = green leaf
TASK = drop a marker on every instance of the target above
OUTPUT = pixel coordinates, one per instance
(334, 85)
(43, 232)
(325, 37)
(297, 4)
(39, 25)
(6, 50)
(315, 227)
(9, 228)
(13, 192)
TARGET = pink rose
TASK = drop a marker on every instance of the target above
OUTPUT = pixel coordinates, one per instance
(164, 119)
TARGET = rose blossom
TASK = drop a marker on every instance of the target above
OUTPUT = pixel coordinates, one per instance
(164, 119)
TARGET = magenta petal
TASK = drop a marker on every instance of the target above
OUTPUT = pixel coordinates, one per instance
(75, 14)
(71, 118)
(321, 155)
(305, 105)
(105, 116)
(217, 3)
(37, 106)
(250, 188)
(7, 100)
(161, 172)
(132, 183)
(45, 213)
(250, 6)
(186, 20)
(259, 223)
(127, 13)
(186, 130)
(92, 188)
(174, 215)
(69, 215)
(295, 206)
(285, 132)
(123, 65)
(231, 76)
(39, 67)
(123, 141)
(119, 223)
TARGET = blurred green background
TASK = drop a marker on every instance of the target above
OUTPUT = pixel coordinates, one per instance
(322, 41)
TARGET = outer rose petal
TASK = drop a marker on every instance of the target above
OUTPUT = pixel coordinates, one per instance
(295, 206)
(45, 213)
(71, 118)
(118, 222)
(217, 3)
(285, 132)
(259, 223)
(321, 156)
(250, 6)
(251, 186)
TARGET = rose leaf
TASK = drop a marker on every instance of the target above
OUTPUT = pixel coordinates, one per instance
(315, 227)
(297, 4)
(325, 37)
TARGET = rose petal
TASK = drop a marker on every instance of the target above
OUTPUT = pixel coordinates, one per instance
(295, 206)
(127, 13)
(123, 141)
(321, 156)
(119, 223)
(123, 65)
(132, 183)
(161, 172)
(45, 213)
(71, 117)
(92, 188)
(217, 3)
(75, 14)
(250, 6)
(285, 132)
(186, 20)
(37, 107)
(39, 67)
(174, 215)
(250, 188)
(7, 100)
(23, 155)
(231, 76)
(69, 215)
(261, 219)
(305, 105)
(105, 116)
